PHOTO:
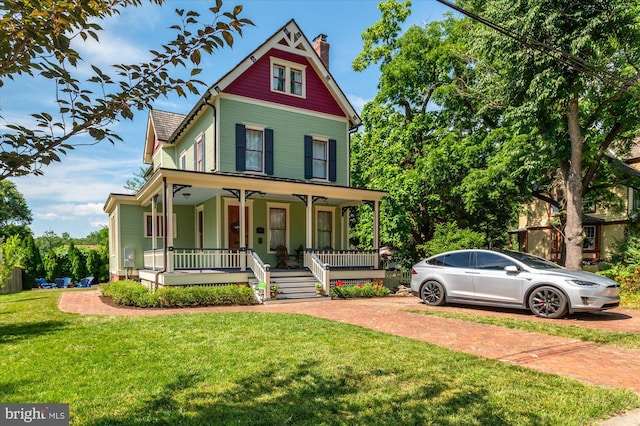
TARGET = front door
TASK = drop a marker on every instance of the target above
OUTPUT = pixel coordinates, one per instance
(233, 226)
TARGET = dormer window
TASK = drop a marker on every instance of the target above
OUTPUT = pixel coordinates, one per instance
(287, 78)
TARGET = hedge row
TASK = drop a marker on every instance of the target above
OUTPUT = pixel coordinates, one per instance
(359, 290)
(131, 293)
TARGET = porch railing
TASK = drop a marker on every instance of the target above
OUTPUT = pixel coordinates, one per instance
(261, 270)
(348, 258)
(154, 259)
(318, 268)
(226, 258)
(192, 258)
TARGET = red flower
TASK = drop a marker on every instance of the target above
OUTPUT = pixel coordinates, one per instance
(339, 283)
(360, 285)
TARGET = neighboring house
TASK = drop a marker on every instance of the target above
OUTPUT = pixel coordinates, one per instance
(603, 228)
(266, 146)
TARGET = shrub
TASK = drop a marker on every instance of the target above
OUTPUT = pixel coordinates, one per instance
(131, 293)
(359, 290)
(449, 236)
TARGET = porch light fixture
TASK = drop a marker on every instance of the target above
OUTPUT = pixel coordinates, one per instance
(186, 195)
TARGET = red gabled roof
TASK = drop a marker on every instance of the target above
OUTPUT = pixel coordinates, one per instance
(251, 77)
(255, 82)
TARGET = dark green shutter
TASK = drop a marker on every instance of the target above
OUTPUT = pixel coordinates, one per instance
(332, 160)
(268, 151)
(308, 157)
(241, 147)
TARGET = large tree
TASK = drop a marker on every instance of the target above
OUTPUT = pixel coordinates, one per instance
(563, 78)
(37, 40)
(15, 215)
(413, 146)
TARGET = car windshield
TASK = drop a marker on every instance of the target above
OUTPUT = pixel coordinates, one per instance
(531, 261)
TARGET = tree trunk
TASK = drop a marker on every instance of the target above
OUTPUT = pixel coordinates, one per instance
(572, 176)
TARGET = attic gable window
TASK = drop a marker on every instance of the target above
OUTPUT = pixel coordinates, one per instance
(288, 78)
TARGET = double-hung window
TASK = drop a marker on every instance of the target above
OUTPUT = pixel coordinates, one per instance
(254, 149)
(589, 242)
(288, 77)
(324, 229)
(199, 154)
(254, 157)
(320, 157)
(278, 235)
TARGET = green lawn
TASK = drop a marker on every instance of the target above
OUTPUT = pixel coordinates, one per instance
(257, 368)
(625, 340)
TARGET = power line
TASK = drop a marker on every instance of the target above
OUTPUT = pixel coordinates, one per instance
(558, 55)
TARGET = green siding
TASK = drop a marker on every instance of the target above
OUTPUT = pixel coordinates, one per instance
(289, 129)
(203, 125)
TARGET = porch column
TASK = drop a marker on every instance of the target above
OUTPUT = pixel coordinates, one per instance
(309, 239)
(243, 231)
(376, 232)
(168, 231)
(154, 229)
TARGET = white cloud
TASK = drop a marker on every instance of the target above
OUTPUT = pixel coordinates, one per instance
(357, 102)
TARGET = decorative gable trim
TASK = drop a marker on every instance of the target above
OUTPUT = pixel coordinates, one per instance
(291, 39)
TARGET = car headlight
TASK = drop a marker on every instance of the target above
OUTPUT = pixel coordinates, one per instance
(581, 283)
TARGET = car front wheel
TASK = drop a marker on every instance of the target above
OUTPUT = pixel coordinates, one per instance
(433, 293)
(548, 302)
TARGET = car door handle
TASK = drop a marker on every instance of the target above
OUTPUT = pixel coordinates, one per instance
(472, 273)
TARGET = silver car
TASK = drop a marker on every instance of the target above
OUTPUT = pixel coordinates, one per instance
(511, 280)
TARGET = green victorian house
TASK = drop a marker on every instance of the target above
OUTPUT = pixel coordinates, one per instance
(252, 185)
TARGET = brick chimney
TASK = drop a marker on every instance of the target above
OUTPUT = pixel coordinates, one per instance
(321, 47)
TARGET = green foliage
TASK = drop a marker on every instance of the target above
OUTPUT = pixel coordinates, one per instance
(449, 237)
(33, 267)
(415, 148)
(15, 215)
(11, 256)
(37, 41)
(98, 265)
(132, 293)
(56, 265)
(77, 263)
(138, 180)
(343, 291)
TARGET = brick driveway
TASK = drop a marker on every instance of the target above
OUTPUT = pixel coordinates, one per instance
(589, 362)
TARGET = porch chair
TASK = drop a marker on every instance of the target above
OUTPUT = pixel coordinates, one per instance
(85, 282)
(286, 260)
(42, 283)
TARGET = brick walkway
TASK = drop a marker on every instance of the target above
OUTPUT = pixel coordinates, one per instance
(589, 362)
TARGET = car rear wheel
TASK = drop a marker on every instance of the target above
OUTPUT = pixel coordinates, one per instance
(433, 293)
(548, 302)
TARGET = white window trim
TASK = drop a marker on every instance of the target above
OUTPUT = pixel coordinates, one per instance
(159, 215)
(287, 65)
(200, 137)
(595, 237)
(326, 161)
(234, 202)
(331, 210)
(199, 209)
(183, 160)
(288, 225)
(256, 128)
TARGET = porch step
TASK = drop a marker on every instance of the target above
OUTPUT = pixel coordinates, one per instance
(296, 284)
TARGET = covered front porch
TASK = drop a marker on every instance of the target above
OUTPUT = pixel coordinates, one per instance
(309, 221)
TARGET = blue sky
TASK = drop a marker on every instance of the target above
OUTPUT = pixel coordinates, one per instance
(71, 194)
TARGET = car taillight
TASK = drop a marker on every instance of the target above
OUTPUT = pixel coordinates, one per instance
(413, 272)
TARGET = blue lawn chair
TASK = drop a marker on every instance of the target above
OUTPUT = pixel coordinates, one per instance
(59, 282)
(85, 282)
(42, 283)
(66, 281)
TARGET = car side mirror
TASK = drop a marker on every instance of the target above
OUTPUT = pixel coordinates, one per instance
(512, 269)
